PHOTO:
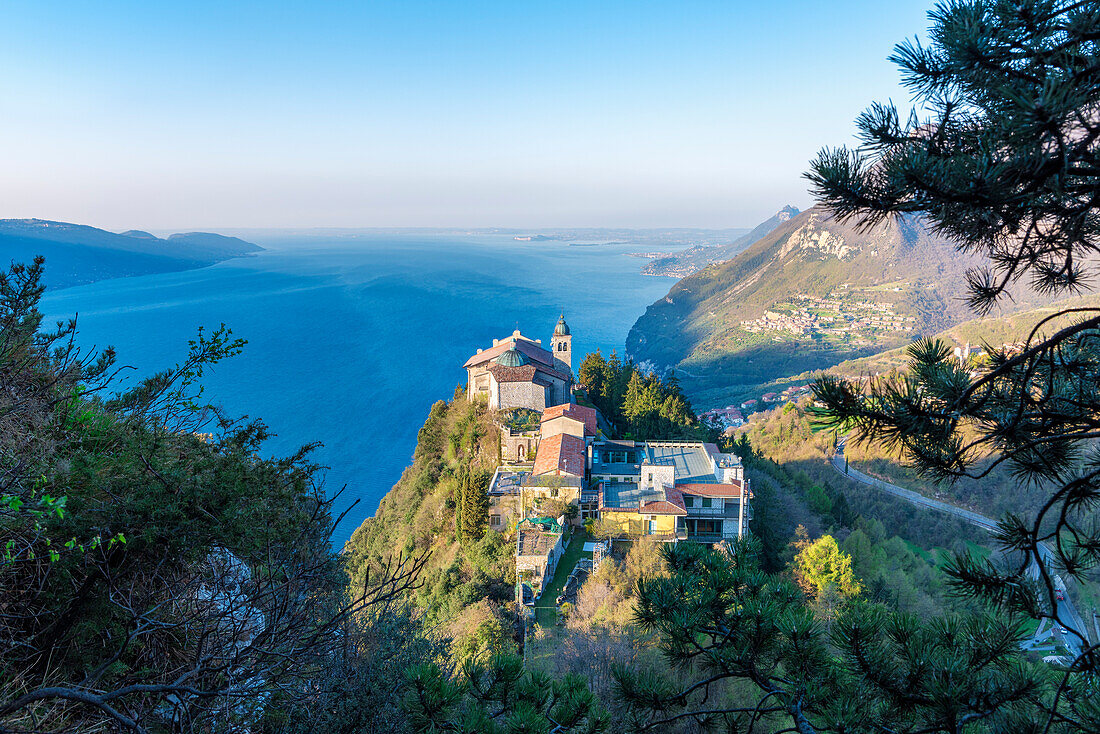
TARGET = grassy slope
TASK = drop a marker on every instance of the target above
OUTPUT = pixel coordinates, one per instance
(898, 552)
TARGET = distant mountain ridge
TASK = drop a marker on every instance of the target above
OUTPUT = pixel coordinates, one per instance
(809, 294)
(692, 260)
(77, 254)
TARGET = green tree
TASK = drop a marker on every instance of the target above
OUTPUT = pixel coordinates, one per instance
(497, 697)
(462, 478)
(595, 375)
(822, 565)
(638, 400)
(1005, 162)
(223, 600)
(474, 490)
(619, 376)
(723, 622)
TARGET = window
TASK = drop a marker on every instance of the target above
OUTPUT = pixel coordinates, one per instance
(494, 520)
(651, 477)
(706, 502)
(689, 501)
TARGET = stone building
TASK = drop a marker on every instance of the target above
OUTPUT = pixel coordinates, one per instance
(539, 547)
(576, 420)
(518, 447)
(518, 372)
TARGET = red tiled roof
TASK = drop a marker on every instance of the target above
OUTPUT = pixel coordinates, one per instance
(560, 454)
(711, 490)
(524, 373)
(581, 413)
(661, 508)
(527, 348)
(672, 504)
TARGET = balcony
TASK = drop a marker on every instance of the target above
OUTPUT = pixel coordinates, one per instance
(703, 537)
(727, 513)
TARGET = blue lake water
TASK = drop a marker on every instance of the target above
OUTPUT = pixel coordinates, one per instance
(351, 339)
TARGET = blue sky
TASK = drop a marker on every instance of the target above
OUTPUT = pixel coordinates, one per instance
(166, 115)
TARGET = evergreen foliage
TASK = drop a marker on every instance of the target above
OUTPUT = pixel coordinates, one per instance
(474, 489)
(1007, 163)
(500, 696)
(155, 577)
(639, 404)
(725, 621)
(468, 576)
(821, 566)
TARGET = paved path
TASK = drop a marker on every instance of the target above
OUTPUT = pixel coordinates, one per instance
(1066, 611)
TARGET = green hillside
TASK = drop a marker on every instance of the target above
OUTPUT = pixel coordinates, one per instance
(976, 332)
(467, 581)
(811, 294)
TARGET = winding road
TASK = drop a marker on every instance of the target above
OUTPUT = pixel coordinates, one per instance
(1076, 632)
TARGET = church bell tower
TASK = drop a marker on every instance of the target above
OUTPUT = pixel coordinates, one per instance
(561, 344)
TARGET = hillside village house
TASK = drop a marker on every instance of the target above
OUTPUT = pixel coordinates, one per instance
(517, 372)
(727, 417)
(573, 419)
(559, 471)
(669, 490)
(672, 490)
(539, 547)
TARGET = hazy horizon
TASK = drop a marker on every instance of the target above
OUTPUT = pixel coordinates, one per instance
(182, 116)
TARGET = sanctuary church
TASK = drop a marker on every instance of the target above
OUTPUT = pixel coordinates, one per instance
(518, 372)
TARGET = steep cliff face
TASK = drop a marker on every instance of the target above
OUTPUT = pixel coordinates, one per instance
(811, 293)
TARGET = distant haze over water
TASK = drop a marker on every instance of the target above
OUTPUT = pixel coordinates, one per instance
(351, 339)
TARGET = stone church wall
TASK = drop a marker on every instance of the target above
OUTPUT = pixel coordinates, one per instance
(522, 395)
(517, 447)
(477, 382)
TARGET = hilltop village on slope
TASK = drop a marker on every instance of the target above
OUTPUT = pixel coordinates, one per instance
(561, 470)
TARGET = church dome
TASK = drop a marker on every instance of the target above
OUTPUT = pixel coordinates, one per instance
(511, 358)
(562, 329)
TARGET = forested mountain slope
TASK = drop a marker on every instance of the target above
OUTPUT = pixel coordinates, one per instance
(810, 294)
(77, 254)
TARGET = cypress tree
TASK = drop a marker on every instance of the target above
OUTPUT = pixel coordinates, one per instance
(460, 500)
(475, 505)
